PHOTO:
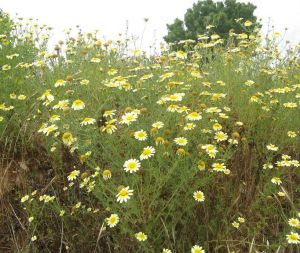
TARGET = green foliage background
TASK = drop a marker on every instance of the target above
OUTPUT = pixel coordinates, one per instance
(208, 12)
(162, 206)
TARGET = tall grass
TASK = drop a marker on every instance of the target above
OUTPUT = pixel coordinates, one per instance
(239, 96)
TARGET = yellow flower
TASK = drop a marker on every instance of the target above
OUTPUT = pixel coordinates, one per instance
(68, 139)
(213, 110)
(110, 113)
(181, 152)
(50, 129)
(159, 140)
(199, 196)
(141, 236)
(217, 127)
(132, 165)
(60, 83)
(293, 238)
(12, 56)
(214, 36)
(211, 150)
(272, 147)
(6, 67)
(146, 77)
(291, 134)
(220, 136)
(247, 23)
(73, 175)
(124, 194)
(84, 82)
(172, 108)
(46, 198)
(147, 153)
(109, 128)
(219, 167)
(196, 74)
(241, 219)
(140, 135)
(78, 205)
(189, 126)
(13, 95)
(33, 238)
(249, 82)
(181, 141)
(276, 180)
(95, 60)
(201, 165)
(112, 220)
(21, 97)
(197, 249)
(290, 105)
(175, 97)
(112, 72)
(24, 198)
(181, 54)
(221, 83)
(78, 105)
(194, 116)
(87, 121)
(54, 118)
(62, 104)
(106, 174)
(158, 124)
(281, 194)
(128, 118)
(294, 222)
(235, 224)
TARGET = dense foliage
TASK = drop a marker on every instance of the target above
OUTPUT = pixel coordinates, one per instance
(107, 152)
(220, 16)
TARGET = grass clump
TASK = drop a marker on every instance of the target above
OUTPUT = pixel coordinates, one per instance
(193, 150)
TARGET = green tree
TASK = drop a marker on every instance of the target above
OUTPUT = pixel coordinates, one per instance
(222, 15)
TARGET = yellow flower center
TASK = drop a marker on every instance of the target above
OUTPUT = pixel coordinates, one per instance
(294, 237)
(113, 220)
(132, 165)
(78, 102)
(123, 193)
(147, 152)
(129, 117)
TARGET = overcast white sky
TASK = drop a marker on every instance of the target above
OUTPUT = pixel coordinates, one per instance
(109, 16)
